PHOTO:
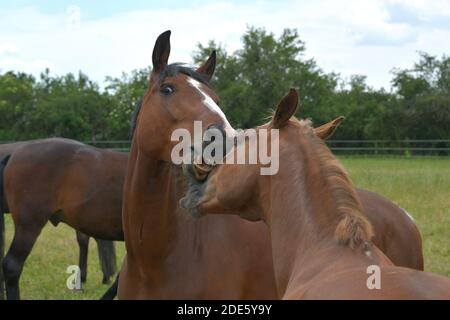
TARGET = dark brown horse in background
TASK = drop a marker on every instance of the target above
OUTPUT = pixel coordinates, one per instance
(61, 180)
(106, 249)
(320, 235)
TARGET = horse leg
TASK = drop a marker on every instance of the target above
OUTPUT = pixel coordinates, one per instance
(111, 293)
(107, 257)
(2, 253)
(23, 241)
(83, 244)
(3, 209)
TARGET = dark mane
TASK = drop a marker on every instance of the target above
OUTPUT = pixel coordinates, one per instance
(170, 70)
(173, 69)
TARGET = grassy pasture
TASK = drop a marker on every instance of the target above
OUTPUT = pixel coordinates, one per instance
(420, 185)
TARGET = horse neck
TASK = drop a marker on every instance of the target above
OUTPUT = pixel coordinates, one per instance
(150, 205)
(304, 213)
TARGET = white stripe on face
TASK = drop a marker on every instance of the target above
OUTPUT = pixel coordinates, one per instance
(209, 102)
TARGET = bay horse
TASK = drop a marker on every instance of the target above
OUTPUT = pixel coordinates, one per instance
(320, 235)
(165, 249)
(62, 180)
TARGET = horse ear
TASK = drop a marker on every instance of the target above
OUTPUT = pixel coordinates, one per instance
(285, 110)
(161, 51)
(327, 130)
(209, 66)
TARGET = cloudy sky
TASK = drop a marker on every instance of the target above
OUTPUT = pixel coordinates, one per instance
(107, 37)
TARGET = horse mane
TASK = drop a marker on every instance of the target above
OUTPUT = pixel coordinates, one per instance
(353, 228)
(173, 69)
(170, 70)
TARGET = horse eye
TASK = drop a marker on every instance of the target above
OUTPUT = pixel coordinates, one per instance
(166, 89)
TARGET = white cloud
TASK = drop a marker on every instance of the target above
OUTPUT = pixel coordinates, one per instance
(34, 66)
(73, 16)
(363, 37)
(8, 49)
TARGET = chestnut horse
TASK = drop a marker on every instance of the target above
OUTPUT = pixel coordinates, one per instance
(320, 236)
(61, 180)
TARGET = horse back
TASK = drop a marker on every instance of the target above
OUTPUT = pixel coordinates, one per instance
(396, 234)
(395, 283)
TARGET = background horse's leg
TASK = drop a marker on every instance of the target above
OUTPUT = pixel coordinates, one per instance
(24, 238)
(2, 252)
(3, 163)
(111, 293)
(107, 257)
(83, 244)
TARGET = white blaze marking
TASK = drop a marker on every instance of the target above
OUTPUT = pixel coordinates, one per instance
(410, 216)
(209, 102)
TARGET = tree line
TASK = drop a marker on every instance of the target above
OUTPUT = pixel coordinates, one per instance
(249, 82)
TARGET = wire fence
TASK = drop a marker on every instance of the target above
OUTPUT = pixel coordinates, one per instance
(436, 147)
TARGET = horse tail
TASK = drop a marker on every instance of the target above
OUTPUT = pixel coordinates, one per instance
(107, 257)
(3, 206)
(111, 293)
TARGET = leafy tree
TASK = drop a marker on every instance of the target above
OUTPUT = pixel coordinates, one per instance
(252, 80)
(126, 93)
(16, 103)
(68, 106)
(424, 94)
(249, 82)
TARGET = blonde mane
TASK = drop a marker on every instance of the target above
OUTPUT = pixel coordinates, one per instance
(353, 228)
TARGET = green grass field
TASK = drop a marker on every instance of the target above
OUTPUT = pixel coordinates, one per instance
(421, 186)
